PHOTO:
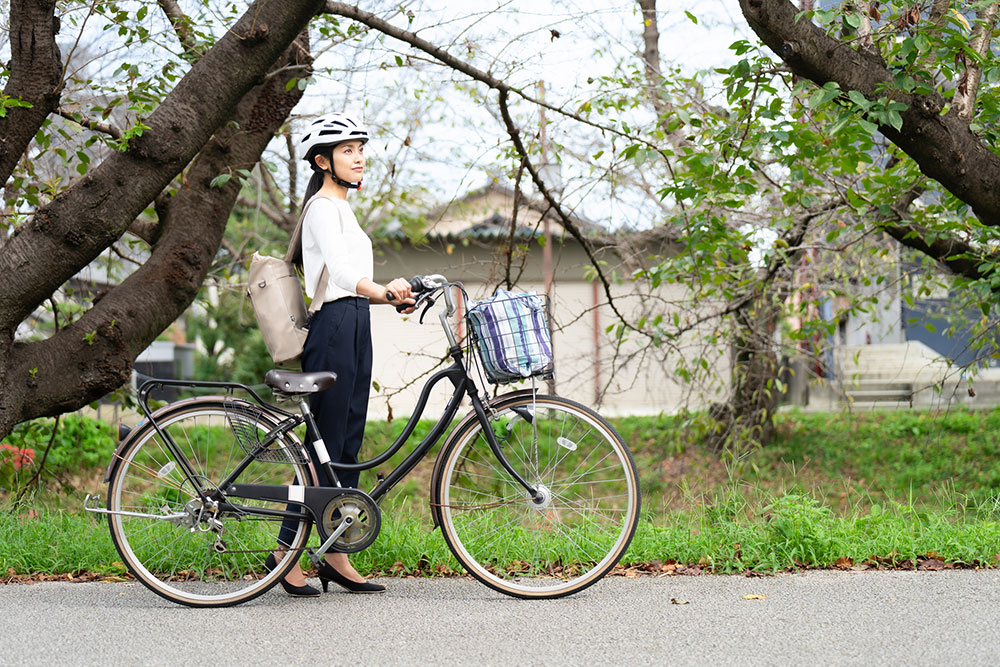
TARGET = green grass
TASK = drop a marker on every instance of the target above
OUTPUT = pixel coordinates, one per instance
(888, 488)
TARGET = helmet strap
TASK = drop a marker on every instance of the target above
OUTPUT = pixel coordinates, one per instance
(347, 184)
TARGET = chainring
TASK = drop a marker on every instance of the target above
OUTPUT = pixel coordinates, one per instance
(367, 521)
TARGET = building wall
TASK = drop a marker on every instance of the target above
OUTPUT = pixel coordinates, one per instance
(589, 366)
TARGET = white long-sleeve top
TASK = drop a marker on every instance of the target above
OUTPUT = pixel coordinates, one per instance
(332, 236)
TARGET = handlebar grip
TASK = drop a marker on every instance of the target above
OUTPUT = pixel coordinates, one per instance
(417, 284)
(418, 287)
(390, 296)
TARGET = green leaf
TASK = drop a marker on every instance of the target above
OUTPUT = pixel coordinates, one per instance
(895, 120)
(858, 99)
(220, 180)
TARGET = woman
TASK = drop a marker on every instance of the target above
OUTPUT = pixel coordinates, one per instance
(340, 332)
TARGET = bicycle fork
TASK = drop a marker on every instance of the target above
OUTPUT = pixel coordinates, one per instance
(491, 439)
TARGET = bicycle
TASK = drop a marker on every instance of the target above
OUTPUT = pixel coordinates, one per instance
(536, 495)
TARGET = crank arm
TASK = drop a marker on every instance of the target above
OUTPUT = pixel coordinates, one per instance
(344, 525)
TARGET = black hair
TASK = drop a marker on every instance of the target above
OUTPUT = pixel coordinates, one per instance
(316, 182)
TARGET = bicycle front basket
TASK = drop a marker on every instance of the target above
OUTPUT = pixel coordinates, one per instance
(511, 334)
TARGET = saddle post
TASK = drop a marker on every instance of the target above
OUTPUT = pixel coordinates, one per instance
(319, 447)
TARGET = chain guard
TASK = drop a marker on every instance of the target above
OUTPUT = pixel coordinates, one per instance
(362, 509)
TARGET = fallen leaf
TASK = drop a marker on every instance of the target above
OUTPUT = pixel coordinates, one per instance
(754, 597)
(932, 564)
(676, 601)
(844, 562)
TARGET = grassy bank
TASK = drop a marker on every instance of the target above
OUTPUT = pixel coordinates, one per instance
(887, 489)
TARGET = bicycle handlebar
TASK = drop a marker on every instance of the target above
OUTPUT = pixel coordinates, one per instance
(420, 285)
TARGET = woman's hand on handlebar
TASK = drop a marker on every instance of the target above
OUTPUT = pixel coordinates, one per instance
(399, 293)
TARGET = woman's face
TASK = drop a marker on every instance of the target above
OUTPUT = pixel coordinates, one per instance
(349, 160)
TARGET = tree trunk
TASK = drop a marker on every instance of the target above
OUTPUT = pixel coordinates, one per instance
(94, 355)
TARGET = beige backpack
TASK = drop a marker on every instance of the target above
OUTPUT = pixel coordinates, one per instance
(275, 291)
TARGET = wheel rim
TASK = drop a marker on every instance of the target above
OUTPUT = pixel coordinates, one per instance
(573, 533)
(184, 565)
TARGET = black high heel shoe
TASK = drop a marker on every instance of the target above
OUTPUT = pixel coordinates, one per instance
(327, 573)
(294, 591)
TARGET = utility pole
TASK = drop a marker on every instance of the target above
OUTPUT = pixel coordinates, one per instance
(547, 229)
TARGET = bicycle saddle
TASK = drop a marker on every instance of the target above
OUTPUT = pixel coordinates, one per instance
(293, 382)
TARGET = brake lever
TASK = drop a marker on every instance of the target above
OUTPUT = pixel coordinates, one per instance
(430, 304)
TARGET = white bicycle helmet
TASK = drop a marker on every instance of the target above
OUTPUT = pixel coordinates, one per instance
(331, 129)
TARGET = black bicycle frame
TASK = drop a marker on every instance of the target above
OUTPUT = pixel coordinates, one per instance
(457, 374)
(459, 377)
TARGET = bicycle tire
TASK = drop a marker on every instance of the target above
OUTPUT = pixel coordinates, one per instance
(178, 560)
(538, 549)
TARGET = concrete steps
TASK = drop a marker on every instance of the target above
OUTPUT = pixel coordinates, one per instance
(900, 377)
(888, 377)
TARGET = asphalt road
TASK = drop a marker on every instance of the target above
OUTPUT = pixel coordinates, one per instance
(825, 618)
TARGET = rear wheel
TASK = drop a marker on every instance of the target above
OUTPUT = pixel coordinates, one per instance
(196, 553)
(561, 542)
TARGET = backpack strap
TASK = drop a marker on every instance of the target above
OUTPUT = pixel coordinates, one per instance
(295, 243)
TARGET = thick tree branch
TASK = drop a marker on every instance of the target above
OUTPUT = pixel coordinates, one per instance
(941, 144)
(651, 57)
(85, 219)
(955, 255)
(95, 353)
(35, 77)
(968, 85)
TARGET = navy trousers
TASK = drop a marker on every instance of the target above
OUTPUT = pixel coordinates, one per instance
(339, 340)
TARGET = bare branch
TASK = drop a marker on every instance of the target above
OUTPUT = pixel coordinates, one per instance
(442, 56)
(90, 123)
(182, 27)
(279, 218)
(293, 174)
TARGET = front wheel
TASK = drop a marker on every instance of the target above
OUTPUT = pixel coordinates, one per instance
(573, 533)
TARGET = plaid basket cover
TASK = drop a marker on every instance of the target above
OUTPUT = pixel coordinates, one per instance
(512, 336)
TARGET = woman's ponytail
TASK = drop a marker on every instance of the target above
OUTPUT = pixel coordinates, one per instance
(315, 183)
